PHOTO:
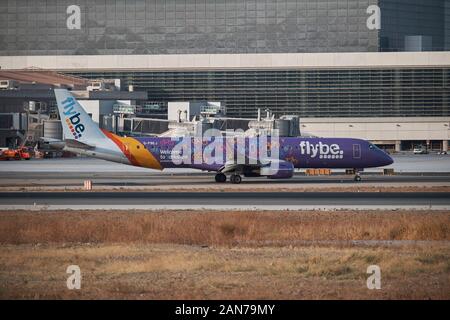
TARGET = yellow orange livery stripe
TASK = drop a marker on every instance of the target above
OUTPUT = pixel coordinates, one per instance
(136, 152)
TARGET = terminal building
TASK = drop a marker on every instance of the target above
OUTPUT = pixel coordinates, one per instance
(371, 69)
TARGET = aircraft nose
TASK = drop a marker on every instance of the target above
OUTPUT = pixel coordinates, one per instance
(387, 159)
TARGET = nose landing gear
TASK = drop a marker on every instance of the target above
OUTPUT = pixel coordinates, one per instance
(355, 172)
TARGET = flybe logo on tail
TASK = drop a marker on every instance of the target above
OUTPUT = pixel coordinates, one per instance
(73, 118)
(323, 150)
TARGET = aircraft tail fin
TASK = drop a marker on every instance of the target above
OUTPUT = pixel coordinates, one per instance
(77, 124)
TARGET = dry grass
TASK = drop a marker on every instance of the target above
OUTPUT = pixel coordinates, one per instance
(178, 272)
(220, 228)
(224, 255)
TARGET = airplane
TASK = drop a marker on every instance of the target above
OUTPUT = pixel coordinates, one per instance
(83, 136)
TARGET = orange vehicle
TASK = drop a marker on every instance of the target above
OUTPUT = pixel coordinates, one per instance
(15, 154)
(24, 154)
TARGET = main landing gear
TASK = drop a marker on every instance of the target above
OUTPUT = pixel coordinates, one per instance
(234, 178)
(221, 178)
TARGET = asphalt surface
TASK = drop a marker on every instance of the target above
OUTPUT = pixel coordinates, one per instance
(403, 163)
(33, 178)
(222, 200)
(197, 179)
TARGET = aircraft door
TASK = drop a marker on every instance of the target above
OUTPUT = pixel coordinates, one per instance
(356, 151)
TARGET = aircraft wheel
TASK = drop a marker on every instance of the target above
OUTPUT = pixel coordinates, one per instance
(357, 178)
(220, 178)
(235, 179)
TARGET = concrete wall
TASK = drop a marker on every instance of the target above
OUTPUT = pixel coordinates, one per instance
(229, 61)
(97, 108)
(379, 129)
(188, 110)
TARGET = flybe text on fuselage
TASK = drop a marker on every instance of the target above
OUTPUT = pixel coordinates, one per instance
(73, 118)
(321, 150)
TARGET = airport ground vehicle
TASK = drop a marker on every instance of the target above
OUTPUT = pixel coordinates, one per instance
(420, 150)
(15, 154)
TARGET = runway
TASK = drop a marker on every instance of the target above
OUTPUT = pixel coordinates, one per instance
(204, 182)
(224, 200)
(403, 163)
(51, 184)
(64, 174)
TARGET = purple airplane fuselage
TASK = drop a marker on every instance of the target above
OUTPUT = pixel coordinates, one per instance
(344, 153)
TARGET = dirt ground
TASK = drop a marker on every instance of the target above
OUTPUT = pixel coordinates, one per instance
(401, 187)
(155, 271)
(225, 255)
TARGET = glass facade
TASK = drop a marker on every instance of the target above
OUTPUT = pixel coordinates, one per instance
(307, 93)
(35, 27)
(123, 27)
(421, 25)
(39, 27)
